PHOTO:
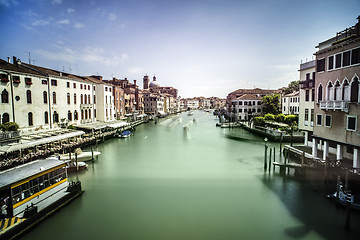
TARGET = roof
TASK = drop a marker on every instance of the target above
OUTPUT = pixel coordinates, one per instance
(252, 91)
(249, 97)
(4, 65)
(293, 94)
(24, 171)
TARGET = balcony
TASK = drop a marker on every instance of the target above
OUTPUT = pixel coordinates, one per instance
(334, 105)
(307, 84)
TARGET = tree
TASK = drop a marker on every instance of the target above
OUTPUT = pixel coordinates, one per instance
(271, 104)
(292, 87)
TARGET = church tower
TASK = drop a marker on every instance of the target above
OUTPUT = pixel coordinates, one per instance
(146, 82)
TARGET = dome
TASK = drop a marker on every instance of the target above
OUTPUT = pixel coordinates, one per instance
(154, 83)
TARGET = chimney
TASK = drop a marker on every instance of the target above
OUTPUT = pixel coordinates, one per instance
(135, 83)
(14, 60)
(9, 60)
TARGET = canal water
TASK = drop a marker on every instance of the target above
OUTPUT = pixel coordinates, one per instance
(165, 182)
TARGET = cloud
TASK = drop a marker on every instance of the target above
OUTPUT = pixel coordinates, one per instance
(56, 1)
(8, 3)
(64, 21)
(112, 17)
(86, 55)
(135, 70)
(79, 25)
(70, 10)
(40, 22)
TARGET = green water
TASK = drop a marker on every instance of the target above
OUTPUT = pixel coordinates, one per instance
(166, 183)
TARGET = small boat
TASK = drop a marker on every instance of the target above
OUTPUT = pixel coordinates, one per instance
(81, 156)
(71, 166)
(125, 134)
(345, 197)
(191, 113)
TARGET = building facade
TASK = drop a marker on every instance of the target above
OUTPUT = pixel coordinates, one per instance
(337, 96)
(290, 103)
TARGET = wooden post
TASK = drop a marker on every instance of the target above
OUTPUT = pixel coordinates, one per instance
(77, 165)
(70, 155)
(302, 159)
(270, 159)
(265, 158)
(346, 180)
(274, 161)
(92, 154)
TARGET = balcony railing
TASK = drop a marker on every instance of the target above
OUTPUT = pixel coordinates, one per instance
(335, 105)
(307, 84)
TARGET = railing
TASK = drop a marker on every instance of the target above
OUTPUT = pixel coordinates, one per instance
(335, 105)
(307, 84)
(7, 135)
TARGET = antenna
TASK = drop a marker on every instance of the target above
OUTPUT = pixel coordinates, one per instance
(29, 57)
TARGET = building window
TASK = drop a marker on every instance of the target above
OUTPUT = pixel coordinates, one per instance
(307, 95)
(89, 98)
(355, 56)
(81, 99)
(45, 97)
(306, 115)
(28, 96)
(44, 82)
(351, 122)
(16, 79)
(67, 84)
(85, 99)
(68, 98)
(318, 119)
(94, 113)
(56, 117)
(74, 85)
(30, 119)
(331, 63)
(88, 87)
(82, 114)
(320, 93)
(312, 116)
(86, 114)
(5, 118)
(28, 81)
(69, 115)
(354, 91)
(312, 95)
(46, 117)
(74, 98)
(4, 96)
(338, 60)
(320, 65)
(105, 89)
(80, 86)
(75, 115)
(89, 113)
(54, 97)
(94, 99)
(327, 120)
(346, 59)
(53, 82)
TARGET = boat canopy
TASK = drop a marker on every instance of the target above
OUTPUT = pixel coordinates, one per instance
(26, 170)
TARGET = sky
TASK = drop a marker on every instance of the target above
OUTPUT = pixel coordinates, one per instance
(201, 47)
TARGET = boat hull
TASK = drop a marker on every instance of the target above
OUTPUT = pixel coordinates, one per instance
(74, 190)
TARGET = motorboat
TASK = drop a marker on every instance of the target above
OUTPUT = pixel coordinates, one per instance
(125, 134)
(81, 156)
(72, 167)
(344, 197)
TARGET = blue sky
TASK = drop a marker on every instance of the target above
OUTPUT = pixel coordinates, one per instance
(201, 47)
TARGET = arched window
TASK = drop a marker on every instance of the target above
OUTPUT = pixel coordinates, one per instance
(30, 119)
(46, 117)
(94, 99)
(85, 99)
(56, 117)
(75, 115)
(89, 113)
(82, 114)
(4, 96)
(69, 115)
(81, 99)
(86, 113)
(54, 97)
(337, 90)
(330, 91)
(345, 90)
(45, 97)
(320, 93)
(68, 98)
(74, 98)
(354, 97)
(89, 98)
(28, 97)
(5, 118)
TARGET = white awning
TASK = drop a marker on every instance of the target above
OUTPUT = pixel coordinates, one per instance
(118, 124)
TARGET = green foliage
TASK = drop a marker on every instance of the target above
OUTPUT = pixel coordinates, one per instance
(71, 127)
(10, 126)
(269, 117)
(259, 121)
(280, 118)
(271, 104)
(291, 119)
(2, 127)
(292, 87)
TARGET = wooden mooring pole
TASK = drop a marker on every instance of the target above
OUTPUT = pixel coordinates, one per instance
(92, 154)
(265, 157)
(274, 161)
(77, 165)
(270, 159)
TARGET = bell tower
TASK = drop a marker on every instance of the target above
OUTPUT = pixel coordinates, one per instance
(146, 82)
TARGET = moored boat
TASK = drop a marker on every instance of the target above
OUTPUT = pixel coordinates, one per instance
(125, 134)
(31, 192)
(81, 156)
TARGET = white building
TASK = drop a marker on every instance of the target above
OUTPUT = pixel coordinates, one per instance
(192, 103)
(246, 106)
(153, 103)
(291, 103)
(307, 99)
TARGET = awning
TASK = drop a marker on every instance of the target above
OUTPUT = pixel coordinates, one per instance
(28, 143)
(118, 124)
